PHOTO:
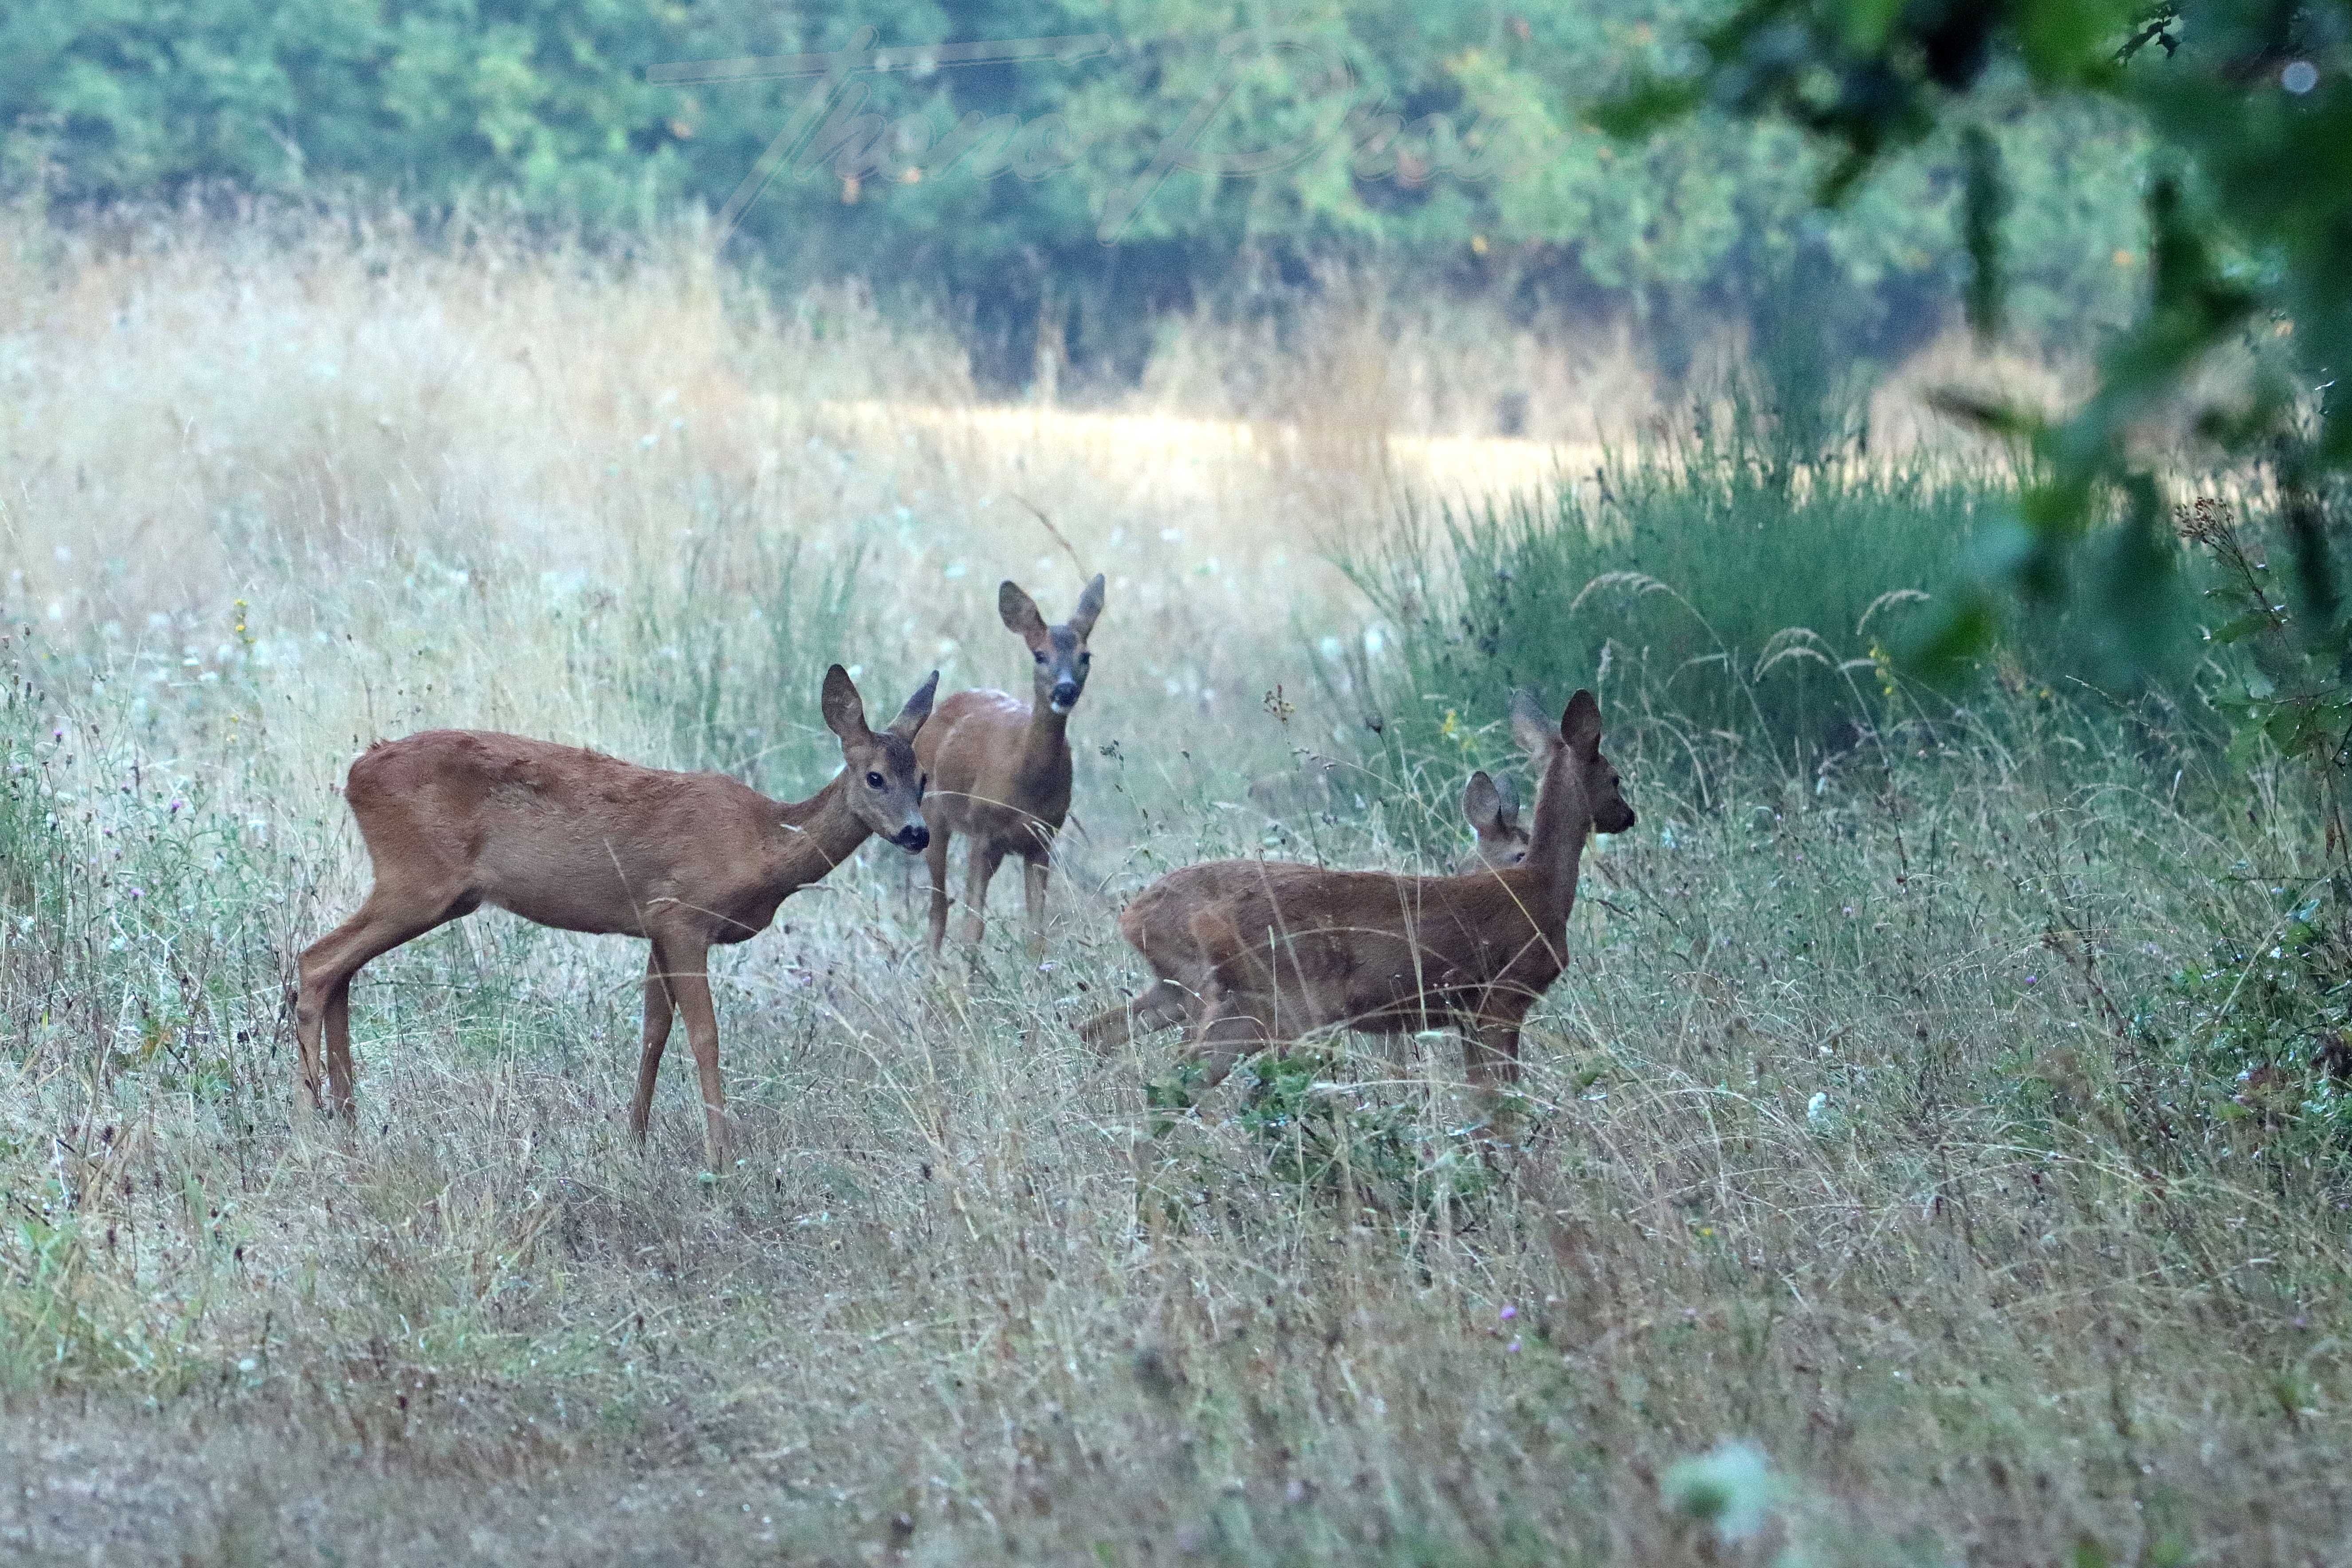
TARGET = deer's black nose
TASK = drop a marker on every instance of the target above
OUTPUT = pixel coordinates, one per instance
(1065, 693)
(913, 838)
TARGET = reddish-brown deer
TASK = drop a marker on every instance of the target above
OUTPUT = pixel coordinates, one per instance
(1313, 786)
(1000, 767)
(1271, 952)
(1493, 809)
(1179, 996)
(570, 838)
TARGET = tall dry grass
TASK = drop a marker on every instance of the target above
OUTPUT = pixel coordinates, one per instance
(1852, 1124)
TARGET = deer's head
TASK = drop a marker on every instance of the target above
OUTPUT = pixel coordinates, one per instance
(1576, 775)
(884, 783)
(1493, 809)
(1059, 652)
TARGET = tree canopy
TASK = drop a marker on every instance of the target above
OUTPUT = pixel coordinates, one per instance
(1174, 151)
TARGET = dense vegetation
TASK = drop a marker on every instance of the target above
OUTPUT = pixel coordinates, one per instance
(2245, 332)
(1756, 602)
(1939, 1150)
(1444, 141)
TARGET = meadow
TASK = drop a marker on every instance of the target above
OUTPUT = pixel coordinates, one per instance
(1929, 1161)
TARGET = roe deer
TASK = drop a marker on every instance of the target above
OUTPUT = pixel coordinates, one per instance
(1493, 809)
(570, 838)
(1001, 768)
(1489, 804)
(1494, 817)
(1270, 952)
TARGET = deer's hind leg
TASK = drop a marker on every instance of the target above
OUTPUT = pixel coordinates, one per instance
(1159, 1005)
(661, 1006)
(393, 914)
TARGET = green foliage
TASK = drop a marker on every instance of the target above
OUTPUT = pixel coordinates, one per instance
(1191, 152)
(2250, 108)
(1723, 589)
(1323, 1135)
(2262, 1039)
(126, 901)
(738, 693)
(2288, 695)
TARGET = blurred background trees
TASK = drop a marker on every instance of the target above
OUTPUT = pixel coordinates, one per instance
(1449, 151)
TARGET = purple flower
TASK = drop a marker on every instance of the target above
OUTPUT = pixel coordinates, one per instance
(1509, 1312)
(1511, 1349)
(2029, 980)
(177, 803)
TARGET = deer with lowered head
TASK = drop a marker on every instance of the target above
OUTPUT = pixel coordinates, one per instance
(1001, 768)
(1255, 953)
(570, 838)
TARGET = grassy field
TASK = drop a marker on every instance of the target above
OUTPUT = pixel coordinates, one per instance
(1894, 1193)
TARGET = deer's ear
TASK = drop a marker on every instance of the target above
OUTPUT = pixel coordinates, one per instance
(844, 710)
(909, 722)
(1507, 802)
(1581, 725)
(1530, 726)
(1082, 620)
(1020, 613)
(1481, 804)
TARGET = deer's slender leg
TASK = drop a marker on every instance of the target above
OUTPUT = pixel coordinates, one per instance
(1490, 1053)
(689, 983)
(1159, 1005)
(337, 1019)
(1228, 1031)
(978, 871)
(322, 1002)
(1033, 871)
(659, 1008)
(935, 858)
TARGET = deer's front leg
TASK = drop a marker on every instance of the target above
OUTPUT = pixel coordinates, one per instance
(1034, 872)
(660, 1005)
(1159, 1005)
(1490, 1053)
(978, 871)
(935, 860)
(689, 983)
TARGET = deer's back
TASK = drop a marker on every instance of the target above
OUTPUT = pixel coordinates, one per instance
(560, 835)
(1370, 947)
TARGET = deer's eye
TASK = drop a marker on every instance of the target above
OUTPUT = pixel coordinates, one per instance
(1040, 657)
(874, 781)
(1086, 659)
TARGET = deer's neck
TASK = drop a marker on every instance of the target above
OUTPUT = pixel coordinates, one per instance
(1045, 745)
(817, 834)
(1564, 826)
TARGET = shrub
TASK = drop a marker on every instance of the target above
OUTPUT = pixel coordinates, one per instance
(1728, 584)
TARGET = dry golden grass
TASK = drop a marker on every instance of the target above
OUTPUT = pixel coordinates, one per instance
(1840, 1149)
